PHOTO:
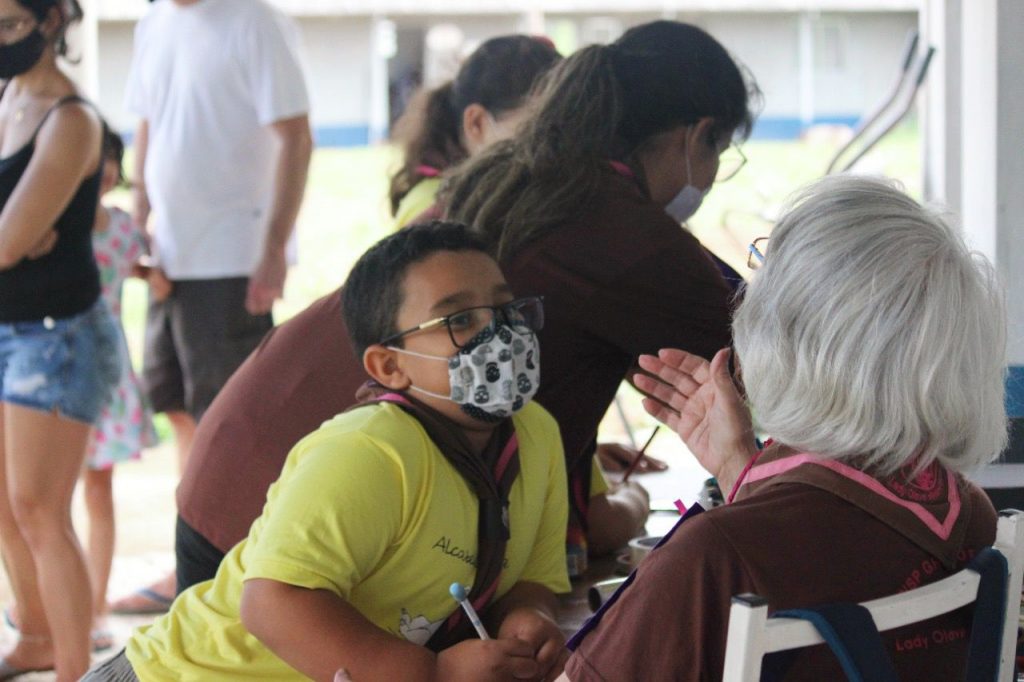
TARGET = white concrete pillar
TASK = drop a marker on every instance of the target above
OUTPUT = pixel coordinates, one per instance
(992, 151)
(806, 65)
(383, 46)
(993, 140)
(941, 127)
(533, 21)
(83, 41)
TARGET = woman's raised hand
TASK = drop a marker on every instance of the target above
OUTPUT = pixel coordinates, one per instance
(699, 401)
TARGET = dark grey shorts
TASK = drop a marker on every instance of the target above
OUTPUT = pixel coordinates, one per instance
(117, 669)
(195, 340)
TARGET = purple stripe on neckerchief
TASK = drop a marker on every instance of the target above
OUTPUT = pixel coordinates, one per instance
(593, 621)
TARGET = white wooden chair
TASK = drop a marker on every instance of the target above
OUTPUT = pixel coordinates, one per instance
(752, 634)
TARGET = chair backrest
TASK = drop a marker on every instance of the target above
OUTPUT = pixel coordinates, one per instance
(752, 634)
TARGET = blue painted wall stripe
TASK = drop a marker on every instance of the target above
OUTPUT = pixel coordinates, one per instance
(766, 128)
(1015, 392)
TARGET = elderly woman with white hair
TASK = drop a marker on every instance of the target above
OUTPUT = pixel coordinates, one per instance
(871, 345)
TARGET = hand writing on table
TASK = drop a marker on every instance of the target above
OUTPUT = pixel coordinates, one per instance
(544, 637)
(699, 401)
(616, 457)
(486, 660)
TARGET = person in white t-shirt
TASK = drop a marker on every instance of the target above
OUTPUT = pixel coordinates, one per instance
(222, 151)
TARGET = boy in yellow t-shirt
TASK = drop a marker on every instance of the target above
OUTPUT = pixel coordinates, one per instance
(447, 474)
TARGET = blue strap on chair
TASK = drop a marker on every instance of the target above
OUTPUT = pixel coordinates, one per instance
(850, 632)
(989, 616)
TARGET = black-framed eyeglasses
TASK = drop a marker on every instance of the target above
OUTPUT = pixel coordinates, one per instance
(523, 315)
(729, 163)
(755, 253)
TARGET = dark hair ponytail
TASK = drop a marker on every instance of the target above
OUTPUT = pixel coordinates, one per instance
(430, 128)
(516, 181)
(601, 104)
(70, 12)
(498, 76)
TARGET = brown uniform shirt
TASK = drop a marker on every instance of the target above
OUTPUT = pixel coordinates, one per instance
(620, 279)
(801, 536)
(303, 373)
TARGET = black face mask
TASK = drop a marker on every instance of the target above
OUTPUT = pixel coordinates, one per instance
(19, 57)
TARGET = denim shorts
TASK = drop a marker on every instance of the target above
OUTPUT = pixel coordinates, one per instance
(67, 365)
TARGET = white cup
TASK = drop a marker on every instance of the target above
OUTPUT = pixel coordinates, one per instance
(641, 547)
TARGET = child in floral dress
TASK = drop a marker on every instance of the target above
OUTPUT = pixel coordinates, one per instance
(125, 426)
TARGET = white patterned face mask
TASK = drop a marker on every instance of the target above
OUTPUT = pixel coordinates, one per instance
(493, 375)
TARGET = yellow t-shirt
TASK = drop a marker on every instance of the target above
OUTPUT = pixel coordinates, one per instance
(419, 199)
(368, 508)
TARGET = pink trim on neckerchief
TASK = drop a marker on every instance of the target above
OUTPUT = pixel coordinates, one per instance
(622, 169)
(426, 171)
(394, 398)
(506, 456)
(499, 469)
(942, 530)
(743, 475)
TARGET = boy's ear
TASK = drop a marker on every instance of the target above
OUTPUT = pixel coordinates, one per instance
(382, 365)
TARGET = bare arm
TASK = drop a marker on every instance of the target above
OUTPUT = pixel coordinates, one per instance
(616, 517)
(318, 633)
(294, 151)
(140, 209)
(67, 151)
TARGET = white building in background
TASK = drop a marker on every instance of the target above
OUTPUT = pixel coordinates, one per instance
(816, 61)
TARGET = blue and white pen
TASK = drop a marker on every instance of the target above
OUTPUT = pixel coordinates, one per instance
(459, 593)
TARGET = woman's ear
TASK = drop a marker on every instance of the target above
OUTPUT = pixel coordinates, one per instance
(703, 133)
(475, 123)
(381, 363)
(52, 23)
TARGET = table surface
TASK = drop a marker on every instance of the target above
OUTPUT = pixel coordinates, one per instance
(574, 608)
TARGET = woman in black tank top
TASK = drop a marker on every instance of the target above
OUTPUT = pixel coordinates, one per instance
(58, 352)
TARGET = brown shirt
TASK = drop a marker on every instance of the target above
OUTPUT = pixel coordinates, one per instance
(303, 373)
(620, 279)
(801, 536)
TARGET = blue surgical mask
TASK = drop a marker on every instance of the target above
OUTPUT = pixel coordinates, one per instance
(688, 200)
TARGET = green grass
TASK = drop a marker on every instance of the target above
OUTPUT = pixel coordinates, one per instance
(345, 211)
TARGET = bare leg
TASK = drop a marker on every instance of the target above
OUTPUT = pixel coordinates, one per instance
(184, 427)
(34, 648)
(99, 502)
(43, 458)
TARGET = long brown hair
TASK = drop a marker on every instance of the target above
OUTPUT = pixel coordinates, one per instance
(602, 103)
(498, 76)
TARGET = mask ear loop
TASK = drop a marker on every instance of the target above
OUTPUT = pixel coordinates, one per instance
(689, 175)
